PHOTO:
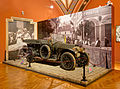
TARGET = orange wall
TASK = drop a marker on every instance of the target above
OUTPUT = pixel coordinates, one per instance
(33, 9)
(38, 10)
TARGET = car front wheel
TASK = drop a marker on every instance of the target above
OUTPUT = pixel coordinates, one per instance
(68, 61)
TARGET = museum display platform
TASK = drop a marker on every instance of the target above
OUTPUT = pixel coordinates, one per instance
(74, 76)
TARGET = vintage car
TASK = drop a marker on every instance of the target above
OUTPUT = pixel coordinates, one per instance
(67, 54)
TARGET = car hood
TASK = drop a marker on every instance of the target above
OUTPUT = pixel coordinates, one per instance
(63, 45)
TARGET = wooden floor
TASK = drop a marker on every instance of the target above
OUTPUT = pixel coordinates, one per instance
(16, 78)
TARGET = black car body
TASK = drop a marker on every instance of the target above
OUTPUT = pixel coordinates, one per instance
(68, 54)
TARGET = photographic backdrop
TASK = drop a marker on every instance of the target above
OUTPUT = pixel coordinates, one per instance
(90, 29)
(118, 33)
(18, 30)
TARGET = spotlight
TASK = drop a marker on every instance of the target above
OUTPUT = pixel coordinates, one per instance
(51, 6)
(109, 3)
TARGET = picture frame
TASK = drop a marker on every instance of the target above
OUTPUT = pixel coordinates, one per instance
(118, 33)
(13, 26)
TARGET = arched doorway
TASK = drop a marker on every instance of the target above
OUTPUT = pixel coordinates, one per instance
(107, 28)
(89, 31)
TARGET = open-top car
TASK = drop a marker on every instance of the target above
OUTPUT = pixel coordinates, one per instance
(67, 54)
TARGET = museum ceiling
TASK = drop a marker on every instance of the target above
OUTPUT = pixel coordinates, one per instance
(71, 6)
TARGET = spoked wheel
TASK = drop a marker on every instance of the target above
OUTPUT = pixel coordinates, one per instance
(22, 53)
(30, 56)
(84, 58)
(68, 61)
(45, 51)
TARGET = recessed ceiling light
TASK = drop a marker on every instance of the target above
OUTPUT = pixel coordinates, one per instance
(51, 6)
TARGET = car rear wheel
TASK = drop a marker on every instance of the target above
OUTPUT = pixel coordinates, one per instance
(45, 51)
(30, 56)
(68, 61)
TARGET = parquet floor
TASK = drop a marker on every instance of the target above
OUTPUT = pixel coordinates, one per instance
(16, 78)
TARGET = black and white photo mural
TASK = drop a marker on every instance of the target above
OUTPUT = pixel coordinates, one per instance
(90, 29)
(18, 30)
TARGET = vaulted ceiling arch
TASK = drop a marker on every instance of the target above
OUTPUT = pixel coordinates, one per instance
(71, 6)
